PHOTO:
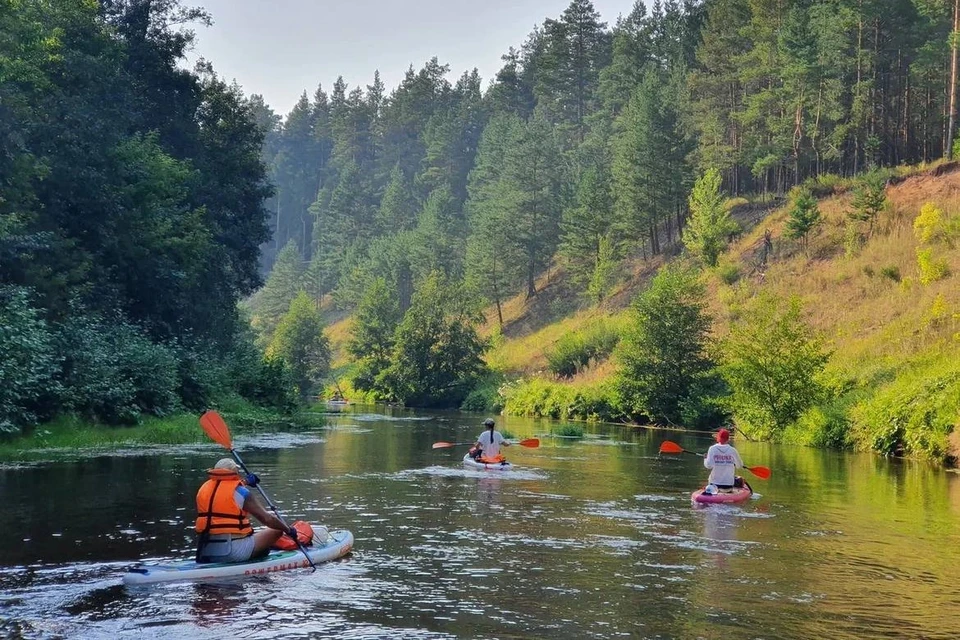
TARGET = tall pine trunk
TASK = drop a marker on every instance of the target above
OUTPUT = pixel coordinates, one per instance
(951, 124)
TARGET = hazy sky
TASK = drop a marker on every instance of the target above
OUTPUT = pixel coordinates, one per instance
(278, 48)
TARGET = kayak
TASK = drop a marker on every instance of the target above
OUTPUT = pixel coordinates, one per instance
(488, 466)
(737, 495)
(337, 544)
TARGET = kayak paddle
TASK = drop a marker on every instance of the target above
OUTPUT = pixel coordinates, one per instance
(532, 443)
(673, 447)
(214, 426)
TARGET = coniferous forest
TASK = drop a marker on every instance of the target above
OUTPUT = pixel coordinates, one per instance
(142, 201)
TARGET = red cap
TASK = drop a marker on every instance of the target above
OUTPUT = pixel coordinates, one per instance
(723, 436)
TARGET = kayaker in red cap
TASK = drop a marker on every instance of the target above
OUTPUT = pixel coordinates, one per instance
(723, 461)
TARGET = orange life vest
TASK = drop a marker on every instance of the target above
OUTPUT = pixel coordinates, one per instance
(217, 512)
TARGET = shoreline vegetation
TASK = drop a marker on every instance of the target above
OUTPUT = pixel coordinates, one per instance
(71, 432)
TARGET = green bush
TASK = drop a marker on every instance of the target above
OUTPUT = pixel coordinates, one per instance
(892, 272)
(575, 351)
(545, 399)
(28, 364)
(485, 397)
(821, 426)
(728, 272)
(262, 380)
(113, 373)
(914, 414)
(537, 398)
(931, 268)
(569, 431)
(596, 404)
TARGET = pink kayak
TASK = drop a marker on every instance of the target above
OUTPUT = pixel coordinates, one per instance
(735, 496)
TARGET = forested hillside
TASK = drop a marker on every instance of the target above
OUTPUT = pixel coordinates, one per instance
(593, 131)
(527, 208)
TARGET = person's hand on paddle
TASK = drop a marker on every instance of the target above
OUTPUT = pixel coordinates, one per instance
(252, 480)
(292, 532)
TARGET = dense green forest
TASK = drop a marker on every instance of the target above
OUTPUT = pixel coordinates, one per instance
(131, 215)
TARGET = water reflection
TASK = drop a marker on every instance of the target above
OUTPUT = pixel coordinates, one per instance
(214, 603)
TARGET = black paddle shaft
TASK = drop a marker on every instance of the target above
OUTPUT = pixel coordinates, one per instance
(273, 507)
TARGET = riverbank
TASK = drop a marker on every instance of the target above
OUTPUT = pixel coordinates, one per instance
(70, 433)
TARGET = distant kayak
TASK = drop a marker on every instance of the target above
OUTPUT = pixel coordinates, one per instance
(737, 495)
(337, 544)
(488, 466)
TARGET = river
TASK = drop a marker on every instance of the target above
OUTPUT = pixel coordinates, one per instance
(591, 538)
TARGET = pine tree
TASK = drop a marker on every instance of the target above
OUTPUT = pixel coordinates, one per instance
(398, 206)
(531, 185)
(575, 48)
(590, 223)
(804, 217)
(371, 344)
(642, 169)
(710, 225)
(440, 236)
(281, 288)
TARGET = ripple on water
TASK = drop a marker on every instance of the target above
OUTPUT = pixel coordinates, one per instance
(376, 417)
(277, 440)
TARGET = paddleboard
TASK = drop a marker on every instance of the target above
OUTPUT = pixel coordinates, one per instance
(737, 495)
(336, 545)
(495, 466)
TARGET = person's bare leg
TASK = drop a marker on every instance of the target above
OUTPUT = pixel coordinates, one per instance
(263, 540)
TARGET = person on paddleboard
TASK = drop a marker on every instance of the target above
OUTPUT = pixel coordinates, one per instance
(723, 461)
(488, 443)
(224, 507)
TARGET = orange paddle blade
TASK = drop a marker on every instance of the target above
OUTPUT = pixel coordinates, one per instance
(670, 447)
(760, 472)
(214, 426)
(533, 443)
(444, 445)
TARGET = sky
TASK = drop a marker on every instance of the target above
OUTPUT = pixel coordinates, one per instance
(279, 48)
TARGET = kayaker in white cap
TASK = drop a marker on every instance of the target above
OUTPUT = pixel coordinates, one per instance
(723, 461)
(224, 504)
(487, 446)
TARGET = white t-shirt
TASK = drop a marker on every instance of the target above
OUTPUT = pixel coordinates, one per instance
(491, 449)
(723, 461)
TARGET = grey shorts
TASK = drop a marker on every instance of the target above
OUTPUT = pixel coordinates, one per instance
(227, 549)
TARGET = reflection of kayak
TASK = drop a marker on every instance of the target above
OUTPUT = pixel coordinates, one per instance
(493, 466)
(338, 544)
(737, 495)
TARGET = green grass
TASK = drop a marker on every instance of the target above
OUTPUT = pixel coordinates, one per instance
(569, 431)
(72, 433)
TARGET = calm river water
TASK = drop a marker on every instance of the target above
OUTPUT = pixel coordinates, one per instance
(592, 538)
